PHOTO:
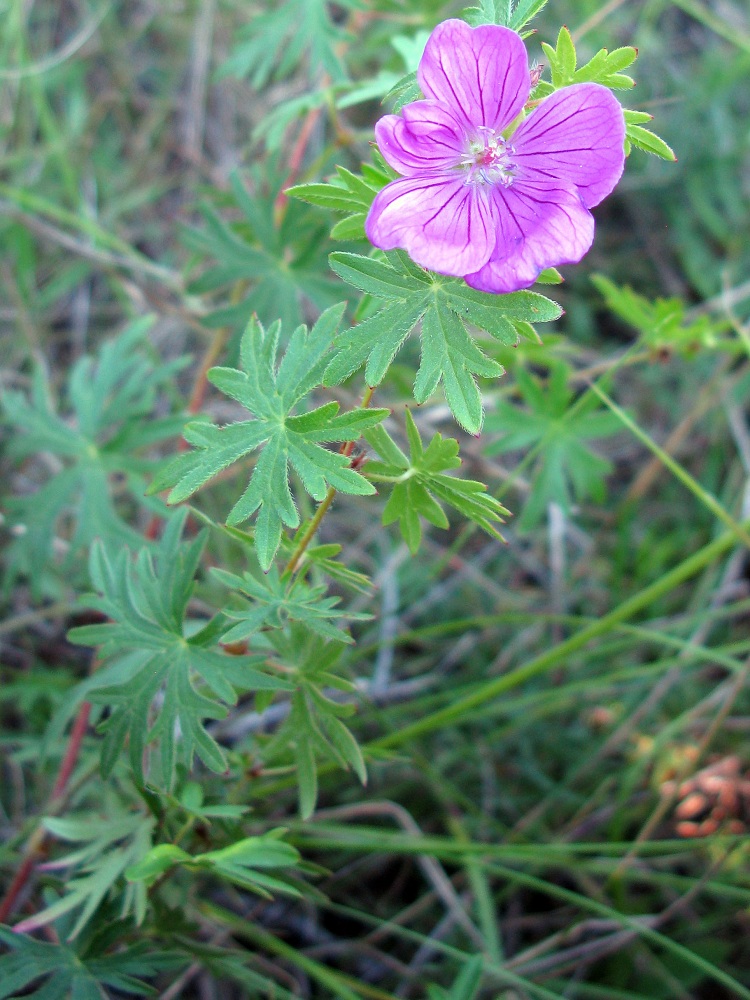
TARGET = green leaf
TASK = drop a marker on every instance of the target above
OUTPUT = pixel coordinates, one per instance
(508, 13)
(451, 356)
(404, 92)
(107, 848)
(349, 193)
(419, 482)
(273, 43)
(155, 863)
(270, 394)
(648, 141)
(243, 863)
(44, 971)
(276, 600)
(150, 647)
(444, 305)
(603, 68)
(662, 323)
(566, 470)
(278, 263)
(105, 420)
(314, 725)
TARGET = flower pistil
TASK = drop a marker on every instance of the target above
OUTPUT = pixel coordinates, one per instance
(488, 159)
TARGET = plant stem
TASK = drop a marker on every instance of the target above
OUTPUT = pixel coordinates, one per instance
(325, 503)
(35, 845)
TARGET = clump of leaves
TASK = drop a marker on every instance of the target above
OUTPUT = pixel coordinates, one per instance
(271, 393)
(662, 323)
(420, 481)
(313, 727)
(100, 433)
(280, 260)
(274, 42)
(555, 426)
(245, 863)
(606, 69)
(38, 969)
(106, 848)
(277, 600)
(152, 648)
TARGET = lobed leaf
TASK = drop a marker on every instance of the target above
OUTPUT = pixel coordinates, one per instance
(270, 392)
(444, 305)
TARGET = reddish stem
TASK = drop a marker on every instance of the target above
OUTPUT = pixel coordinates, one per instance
(298, 155)
(74, 746)
(37, 840)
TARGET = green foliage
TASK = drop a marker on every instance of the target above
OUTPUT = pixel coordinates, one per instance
(443, 305)
(254, 253)
(107, 420)
(107, 848)
(561, 687)
(314, 725)
(566, 470)
(663, 324)
(271, 394)
(466, 985)
(43, 971)
(513, 14)
(404, 92)
(152, 648)
(347, 193)
(277, 600)
(243, 863)
(419, 482)
(273, 43)
(642, 138)
(604, 68)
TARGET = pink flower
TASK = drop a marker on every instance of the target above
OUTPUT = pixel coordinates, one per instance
(476, 204)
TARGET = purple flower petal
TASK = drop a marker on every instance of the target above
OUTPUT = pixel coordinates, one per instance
(442, 223)
(576, 137)
(538, 225)
(427, 138)
(481, 74)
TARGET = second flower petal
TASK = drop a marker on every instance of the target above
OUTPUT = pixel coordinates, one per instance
(538, 226)
(576, 136)
(442, 223)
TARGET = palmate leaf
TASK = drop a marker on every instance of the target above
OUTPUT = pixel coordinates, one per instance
(313, 727)
(107, 847)
(419, 482)
(282, 261)
(566, 468)
(105, 419)
(152, 649)
(444, 306)
(276, 600)
(509, 13)
(271, 393)
(274, 42)
(604, 67)
(41, 971)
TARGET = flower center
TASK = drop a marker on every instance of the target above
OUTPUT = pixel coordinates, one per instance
(487, 159)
